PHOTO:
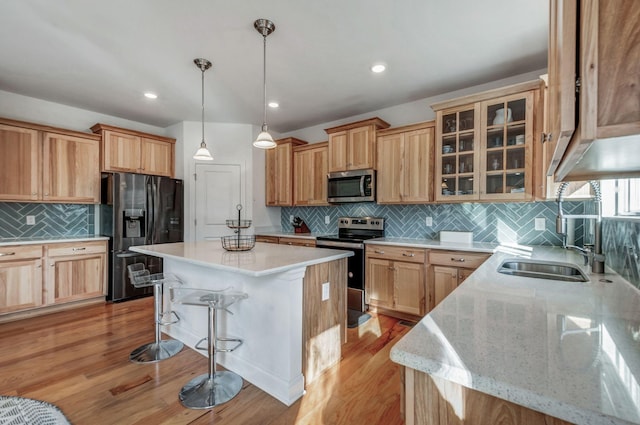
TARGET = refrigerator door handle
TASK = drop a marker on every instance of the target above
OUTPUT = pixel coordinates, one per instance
(150, 210)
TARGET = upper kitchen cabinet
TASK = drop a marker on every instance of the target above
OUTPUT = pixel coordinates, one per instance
(405, 164)
(129, 151)
(279, 172)
(353, 146)
(46, 164)
(594, 114)
(310, 168)
(484, 146)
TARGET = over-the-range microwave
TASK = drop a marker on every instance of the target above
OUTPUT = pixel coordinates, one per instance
(351, 186)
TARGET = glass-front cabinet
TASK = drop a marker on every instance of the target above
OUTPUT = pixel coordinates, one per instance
(457, 161)
(484, 150)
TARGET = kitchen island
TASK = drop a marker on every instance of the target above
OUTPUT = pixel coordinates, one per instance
(293, 323)
(519, 350)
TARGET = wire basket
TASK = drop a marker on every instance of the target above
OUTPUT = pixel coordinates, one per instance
(239, 224)
(238, 243)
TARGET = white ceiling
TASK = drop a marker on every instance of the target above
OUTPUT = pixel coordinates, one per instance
(101, 55)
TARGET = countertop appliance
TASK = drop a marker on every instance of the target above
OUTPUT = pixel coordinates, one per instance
(138, 209)
(351, 186)
(352, 232)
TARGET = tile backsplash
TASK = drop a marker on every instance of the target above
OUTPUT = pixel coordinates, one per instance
(490, 222)
(621, 245)
(51, 220)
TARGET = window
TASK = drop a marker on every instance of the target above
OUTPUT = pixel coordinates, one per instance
(621, 198)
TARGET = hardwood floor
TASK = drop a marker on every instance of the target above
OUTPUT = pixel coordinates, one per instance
(78, 360)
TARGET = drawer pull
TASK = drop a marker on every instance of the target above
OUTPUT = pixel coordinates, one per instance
(391, 268)
(289, 243)
(458, 260)
(411, 254)
(79, 249)
(378, 251)
(5, 254)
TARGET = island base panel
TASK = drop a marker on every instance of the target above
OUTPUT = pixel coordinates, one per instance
(429, 400)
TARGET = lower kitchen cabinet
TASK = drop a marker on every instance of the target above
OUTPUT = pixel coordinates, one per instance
(72, 272)
(297, 242)
(267, 239)
(395, 280)
(75, 272)
(449, 269)
(20, 277)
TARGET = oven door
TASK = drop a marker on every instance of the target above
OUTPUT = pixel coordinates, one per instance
(355, 271)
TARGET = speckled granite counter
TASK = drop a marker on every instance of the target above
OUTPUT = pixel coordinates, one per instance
(433, 244)
(50, 239)
(569, 350)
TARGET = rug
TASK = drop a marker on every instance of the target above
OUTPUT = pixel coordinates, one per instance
(25, 411)
(356, 318)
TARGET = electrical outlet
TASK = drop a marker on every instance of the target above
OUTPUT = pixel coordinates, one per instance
(290, 219)
(31, 220)
(327, 220)
(540, 223)
(325, 291)
(429, 221)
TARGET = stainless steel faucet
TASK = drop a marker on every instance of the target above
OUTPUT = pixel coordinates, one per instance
(595, 256)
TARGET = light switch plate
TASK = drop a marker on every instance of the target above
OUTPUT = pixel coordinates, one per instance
(327, 220)
(325, 291)
(429, 221)
(540, 223)
(31, 220)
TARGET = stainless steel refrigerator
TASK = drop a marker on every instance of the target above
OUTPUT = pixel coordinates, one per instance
(138, 209)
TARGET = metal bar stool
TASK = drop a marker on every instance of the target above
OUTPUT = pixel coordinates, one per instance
(158, 349)
(215, 387)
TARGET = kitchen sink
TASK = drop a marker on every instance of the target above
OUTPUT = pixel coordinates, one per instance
(542, 270)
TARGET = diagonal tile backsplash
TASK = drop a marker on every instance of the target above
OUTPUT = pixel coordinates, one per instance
(621, 244)
(51, 220)
(490, 222)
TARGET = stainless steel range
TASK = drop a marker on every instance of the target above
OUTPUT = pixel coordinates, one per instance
(352, 232)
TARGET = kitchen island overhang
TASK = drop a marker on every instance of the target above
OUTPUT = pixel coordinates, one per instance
(292, 332)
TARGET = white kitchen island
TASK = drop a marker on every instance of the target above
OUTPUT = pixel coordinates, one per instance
(291, 330)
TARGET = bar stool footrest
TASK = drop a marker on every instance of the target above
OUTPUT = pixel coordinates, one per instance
(168, 318)
(219, 349)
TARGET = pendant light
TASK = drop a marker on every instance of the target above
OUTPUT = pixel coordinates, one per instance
(264, 140)
(203, 153)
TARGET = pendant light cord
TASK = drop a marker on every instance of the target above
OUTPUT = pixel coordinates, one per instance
(202, 107)
(264, 80)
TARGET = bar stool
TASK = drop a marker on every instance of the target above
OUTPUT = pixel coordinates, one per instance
(158, 349)
(215, 387)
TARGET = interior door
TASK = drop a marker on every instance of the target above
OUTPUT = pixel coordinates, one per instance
(219, 190)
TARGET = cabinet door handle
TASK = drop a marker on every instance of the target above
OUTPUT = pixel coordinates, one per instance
(458, 260)
(378, 252)
(79, 249)
(391, 268)
(5, 254)
(411, 254)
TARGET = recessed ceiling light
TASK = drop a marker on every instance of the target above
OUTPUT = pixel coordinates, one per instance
(273, 104)
(378, 68)
(150, 95)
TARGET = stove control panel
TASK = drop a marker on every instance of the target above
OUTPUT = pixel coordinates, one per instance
(363, 223)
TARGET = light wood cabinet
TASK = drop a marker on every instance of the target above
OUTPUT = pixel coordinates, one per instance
(267, 239)
(594, 113)
(353, 146)
(485, 145)
(297, 242)
(310, 167)
(47, 164)
(279, 172)
(20, 277)
(395, 280)
(37, 278)
(449, 269)
(405, 164)
(130, 151)
(75, 271)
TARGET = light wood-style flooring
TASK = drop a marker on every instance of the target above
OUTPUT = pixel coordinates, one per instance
(78, 360)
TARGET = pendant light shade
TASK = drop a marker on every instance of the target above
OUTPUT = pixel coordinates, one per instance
(264, 140)
(203, 153)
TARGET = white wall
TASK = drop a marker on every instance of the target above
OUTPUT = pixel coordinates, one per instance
(23, 108)
(408, 113)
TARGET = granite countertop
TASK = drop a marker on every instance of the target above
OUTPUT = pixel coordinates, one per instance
(264, 259)
(434, 244)
(311, 235)
(50, 239)
(569, 350)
